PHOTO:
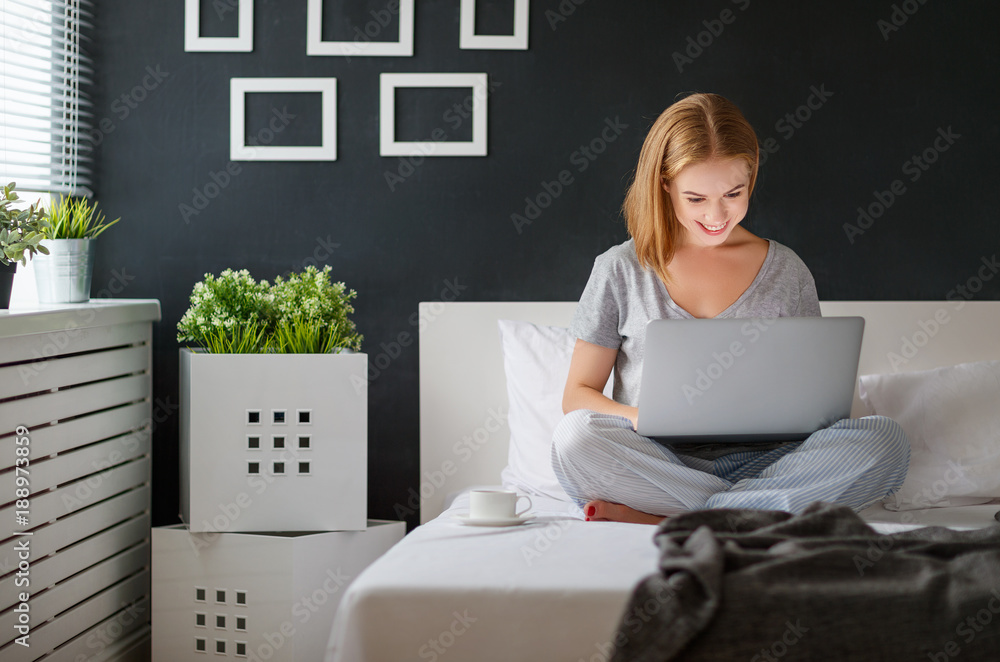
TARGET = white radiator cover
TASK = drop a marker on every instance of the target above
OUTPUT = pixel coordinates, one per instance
(78, 379)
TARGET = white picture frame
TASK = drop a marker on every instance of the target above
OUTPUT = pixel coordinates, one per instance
(315, 46)
(389, 146)
(240, 151)
(194, 42)
(469, 40)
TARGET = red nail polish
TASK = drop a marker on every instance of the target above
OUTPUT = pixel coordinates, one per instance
(591, 511)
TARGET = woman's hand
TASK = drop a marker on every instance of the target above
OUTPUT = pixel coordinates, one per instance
(633, 415)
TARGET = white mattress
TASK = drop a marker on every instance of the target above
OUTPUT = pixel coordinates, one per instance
(550, 590)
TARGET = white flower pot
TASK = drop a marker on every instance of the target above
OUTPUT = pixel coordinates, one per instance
(273, 442)
(255, 596)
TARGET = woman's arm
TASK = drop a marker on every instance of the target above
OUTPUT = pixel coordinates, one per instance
(588, 373)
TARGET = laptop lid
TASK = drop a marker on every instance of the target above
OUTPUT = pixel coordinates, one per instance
(745, 380)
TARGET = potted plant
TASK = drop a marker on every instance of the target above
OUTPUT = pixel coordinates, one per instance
(274, 411)
(69, 228)
(20, 237)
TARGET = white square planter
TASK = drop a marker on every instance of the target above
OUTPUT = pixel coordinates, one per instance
(273, 442)
(255, 596)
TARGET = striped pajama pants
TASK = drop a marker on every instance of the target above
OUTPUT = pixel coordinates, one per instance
(855, 462)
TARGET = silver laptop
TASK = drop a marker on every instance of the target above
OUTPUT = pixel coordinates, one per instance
(746, 380)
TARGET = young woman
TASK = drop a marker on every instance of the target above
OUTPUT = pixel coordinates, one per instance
(690, 257)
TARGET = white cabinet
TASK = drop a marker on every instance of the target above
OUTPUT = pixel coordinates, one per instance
(75, 391)
(263, 596)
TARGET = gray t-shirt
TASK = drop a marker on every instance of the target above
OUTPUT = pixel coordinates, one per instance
(621, 297)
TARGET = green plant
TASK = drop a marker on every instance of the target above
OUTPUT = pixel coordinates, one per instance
(20, 229)
(75, 218)
(305, 313)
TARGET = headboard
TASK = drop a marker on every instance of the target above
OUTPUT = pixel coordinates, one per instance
(463, 396)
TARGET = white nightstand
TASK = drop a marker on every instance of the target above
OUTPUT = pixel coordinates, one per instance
(265, 596)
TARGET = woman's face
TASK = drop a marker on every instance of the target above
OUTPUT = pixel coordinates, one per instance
(710, 199)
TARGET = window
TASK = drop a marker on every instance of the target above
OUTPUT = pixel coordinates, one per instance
(44, 119)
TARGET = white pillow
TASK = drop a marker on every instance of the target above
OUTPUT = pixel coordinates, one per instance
(952, 418)
(536, 363)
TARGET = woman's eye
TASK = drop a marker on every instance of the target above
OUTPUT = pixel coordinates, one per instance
(695, 200)
(733, 196)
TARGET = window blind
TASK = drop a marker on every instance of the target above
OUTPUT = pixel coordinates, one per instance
(45, 113)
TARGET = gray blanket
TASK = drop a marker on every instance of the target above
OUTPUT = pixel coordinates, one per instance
(763, 586)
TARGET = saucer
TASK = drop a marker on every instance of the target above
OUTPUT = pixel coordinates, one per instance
(493, 521)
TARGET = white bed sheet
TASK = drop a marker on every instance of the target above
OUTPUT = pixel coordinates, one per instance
(550, 590)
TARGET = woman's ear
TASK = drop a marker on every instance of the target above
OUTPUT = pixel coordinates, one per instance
(663, 183)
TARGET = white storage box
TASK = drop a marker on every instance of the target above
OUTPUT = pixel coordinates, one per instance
(255, 596)
(273, 442)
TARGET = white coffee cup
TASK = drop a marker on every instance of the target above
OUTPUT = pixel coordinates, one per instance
(495, 504)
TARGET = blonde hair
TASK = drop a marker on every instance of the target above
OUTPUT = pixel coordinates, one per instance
(693, 130)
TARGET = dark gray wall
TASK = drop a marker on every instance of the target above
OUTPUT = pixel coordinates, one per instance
(882, 90)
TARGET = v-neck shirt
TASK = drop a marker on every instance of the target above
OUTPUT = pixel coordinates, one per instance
(622, 296)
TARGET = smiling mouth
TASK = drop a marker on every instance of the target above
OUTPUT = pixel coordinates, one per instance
(713, 229)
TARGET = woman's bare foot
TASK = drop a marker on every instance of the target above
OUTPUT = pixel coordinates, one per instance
(604, 511)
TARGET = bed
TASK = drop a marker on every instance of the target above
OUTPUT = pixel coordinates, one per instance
(555, 588)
